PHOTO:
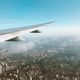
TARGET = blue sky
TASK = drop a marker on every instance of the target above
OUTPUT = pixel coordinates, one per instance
(15, 13)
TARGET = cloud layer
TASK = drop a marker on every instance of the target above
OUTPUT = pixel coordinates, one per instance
(17, 47)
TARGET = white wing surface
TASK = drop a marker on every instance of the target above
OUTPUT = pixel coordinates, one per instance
(14, 33)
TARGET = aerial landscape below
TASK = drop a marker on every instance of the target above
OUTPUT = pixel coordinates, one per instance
(41, 58)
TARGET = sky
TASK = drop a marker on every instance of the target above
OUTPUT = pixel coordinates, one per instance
(15, 13)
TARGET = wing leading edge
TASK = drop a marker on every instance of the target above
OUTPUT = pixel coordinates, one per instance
(10, 34)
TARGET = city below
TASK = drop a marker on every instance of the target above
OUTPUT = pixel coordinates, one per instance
(56, 58)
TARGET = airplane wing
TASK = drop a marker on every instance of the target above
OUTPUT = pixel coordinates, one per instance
(12, 34)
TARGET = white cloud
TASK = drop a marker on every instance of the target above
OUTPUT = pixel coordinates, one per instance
(18, 47)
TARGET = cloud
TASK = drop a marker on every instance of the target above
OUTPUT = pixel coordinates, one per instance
(18, 47)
